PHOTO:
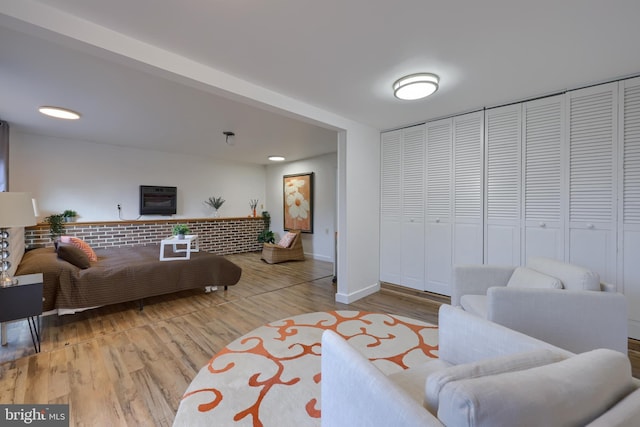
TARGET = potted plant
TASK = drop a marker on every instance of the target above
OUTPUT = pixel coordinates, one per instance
(266, 235)
(215, 203)
(69, 215)
(56, 225)
(180, 230)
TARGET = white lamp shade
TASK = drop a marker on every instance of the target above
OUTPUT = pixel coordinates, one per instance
(16, 210)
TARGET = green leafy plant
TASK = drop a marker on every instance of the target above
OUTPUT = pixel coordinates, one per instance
(215, 202)
(180, 229)
(56, 225)
(266, 236)
(69, 213)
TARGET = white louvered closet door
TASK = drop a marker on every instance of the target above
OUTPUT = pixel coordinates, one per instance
(629, 190)
(438, 237)
(543, 178)
(413, 202)
(503, 130)
(468, 200)
(390, 207)
(592, 136)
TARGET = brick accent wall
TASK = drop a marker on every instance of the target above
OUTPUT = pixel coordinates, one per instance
(220, 236)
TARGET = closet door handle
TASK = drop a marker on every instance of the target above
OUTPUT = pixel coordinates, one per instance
(542, 225)
(591, 226)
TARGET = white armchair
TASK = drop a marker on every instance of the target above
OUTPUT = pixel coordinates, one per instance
(559, 303)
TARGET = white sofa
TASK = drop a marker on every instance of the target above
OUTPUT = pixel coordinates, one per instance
(486, 375)
(560, 303)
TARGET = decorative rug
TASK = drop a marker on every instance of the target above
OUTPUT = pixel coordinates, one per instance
(271, 376)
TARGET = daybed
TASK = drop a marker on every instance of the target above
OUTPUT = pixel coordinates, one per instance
(486, 375)
(121, 275)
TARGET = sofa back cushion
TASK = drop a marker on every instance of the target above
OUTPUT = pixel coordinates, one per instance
(573, 277)
(574, 391)
(498, 365)
(524, 277)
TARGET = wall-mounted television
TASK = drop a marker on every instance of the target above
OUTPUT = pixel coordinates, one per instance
(158, 200)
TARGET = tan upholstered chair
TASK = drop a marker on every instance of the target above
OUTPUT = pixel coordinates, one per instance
(273, 253)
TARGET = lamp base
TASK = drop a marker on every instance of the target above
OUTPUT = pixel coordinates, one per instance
(6, 280)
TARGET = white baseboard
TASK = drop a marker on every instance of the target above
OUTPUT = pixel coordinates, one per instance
(634, 329)
(355, 296)
(319, 257)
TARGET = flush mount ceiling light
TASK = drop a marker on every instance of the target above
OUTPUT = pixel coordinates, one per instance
(59, 113)
(276, 158)
(229, 137)
(415, 86)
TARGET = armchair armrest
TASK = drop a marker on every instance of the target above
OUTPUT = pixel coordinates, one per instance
(356, 393)
(466, 338)
(477, 279)
(577, 321)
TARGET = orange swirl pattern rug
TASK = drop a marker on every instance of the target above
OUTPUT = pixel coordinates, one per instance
(271, 376)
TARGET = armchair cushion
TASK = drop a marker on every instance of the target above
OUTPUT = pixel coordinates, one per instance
(524, 277)
(510, 363)
(571, 392)
(475, 304)
(626, 413)
(573, 277)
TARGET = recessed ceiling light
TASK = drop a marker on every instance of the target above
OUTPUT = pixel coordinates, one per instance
(276, 158)
(415, 86)
(59, 113)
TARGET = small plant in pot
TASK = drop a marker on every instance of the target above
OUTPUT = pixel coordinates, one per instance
(69, 215)
(180, 230)
(266, 235)
(56, 225)
(215, 203)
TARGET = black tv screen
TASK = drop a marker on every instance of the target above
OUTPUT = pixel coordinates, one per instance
(158, 200)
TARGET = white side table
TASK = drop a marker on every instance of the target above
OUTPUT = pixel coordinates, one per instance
(180, 246)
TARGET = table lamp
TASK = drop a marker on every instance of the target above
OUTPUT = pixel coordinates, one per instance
(16, 210)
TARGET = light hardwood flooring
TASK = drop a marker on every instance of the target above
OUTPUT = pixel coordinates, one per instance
(120, 366)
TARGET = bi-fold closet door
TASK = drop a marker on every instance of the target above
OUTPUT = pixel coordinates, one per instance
(402, 202)
(629, 200)
(431, 202)
(525, 181)
(454, 231)
(550, 182)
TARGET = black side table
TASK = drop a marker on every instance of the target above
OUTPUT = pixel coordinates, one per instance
(23, 300)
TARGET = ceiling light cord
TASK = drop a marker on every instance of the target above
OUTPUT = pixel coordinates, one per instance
(228, 135)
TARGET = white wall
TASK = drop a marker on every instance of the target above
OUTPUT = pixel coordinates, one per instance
(319, 245)
(358, 213)
(93, 179)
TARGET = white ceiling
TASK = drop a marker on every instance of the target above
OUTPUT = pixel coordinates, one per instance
(334, 55)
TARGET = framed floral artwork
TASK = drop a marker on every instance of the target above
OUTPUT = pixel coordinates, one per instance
(298, 202)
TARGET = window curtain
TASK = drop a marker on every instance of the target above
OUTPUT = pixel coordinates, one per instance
(4, 156)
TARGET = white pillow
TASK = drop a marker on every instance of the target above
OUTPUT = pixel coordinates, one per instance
(513, 362)
(572, 276)
(524, 277)
(287, 239)
(572, 392)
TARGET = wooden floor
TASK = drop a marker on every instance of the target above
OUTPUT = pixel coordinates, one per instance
(120, 366)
